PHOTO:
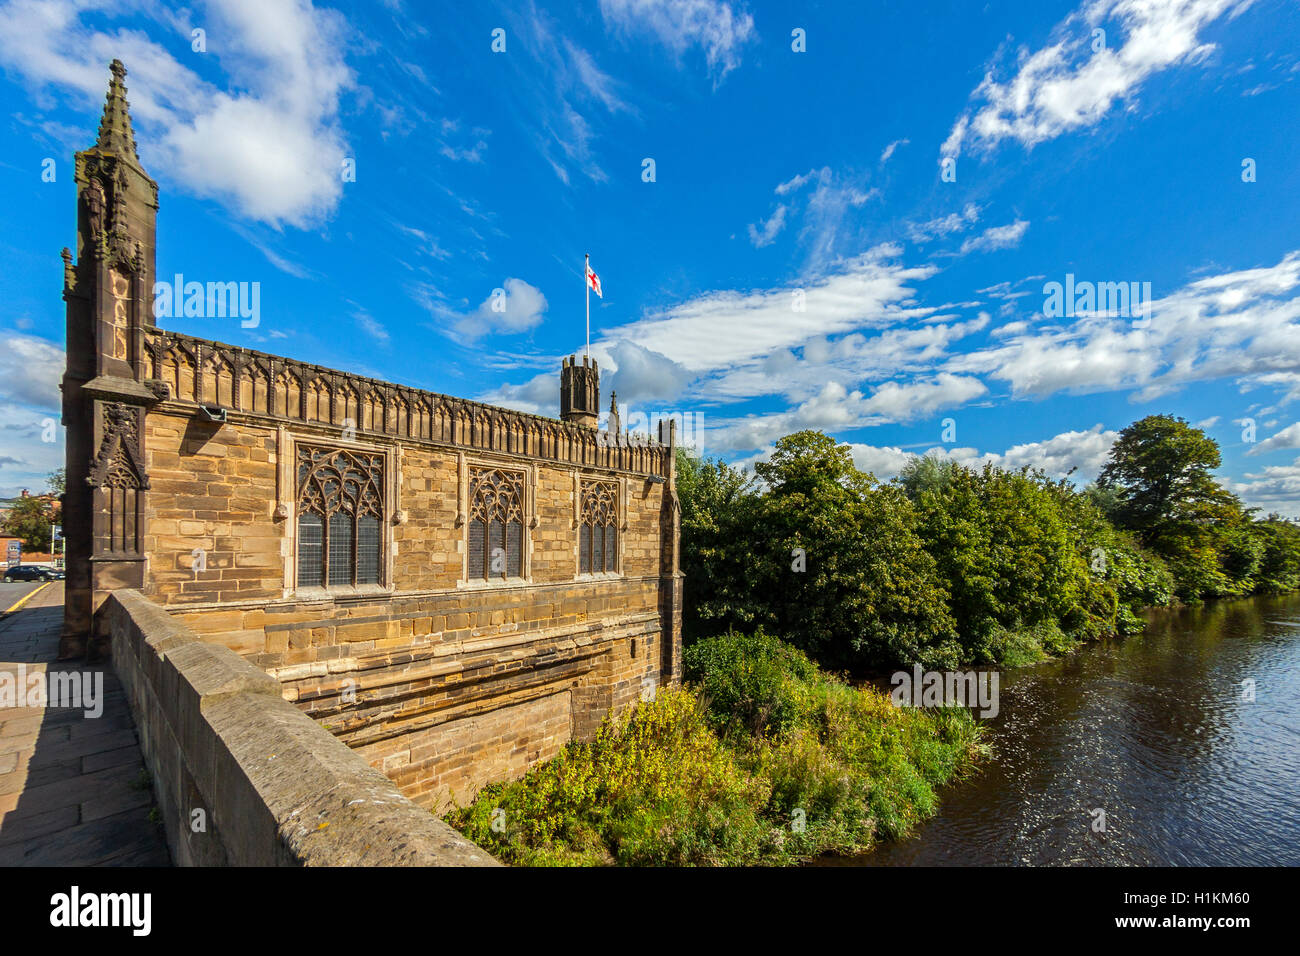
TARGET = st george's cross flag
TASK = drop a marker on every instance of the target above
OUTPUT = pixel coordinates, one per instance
(593, 280)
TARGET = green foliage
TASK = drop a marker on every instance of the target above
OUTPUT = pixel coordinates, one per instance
(1012, 556)
(950, 565)
(29, 519)
(1159, 472)
(1159, 468)
(767, 761)
(1279, 563)
(924, 473)
(866, 592)
(718, 505)
(754, 684)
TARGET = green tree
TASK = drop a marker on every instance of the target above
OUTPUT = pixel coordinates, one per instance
(842, 571)
(29, 519)
(1016, 563)
(718, 505)
(1279, 564)
(57, 481)
(926, 473)
(1160, 472)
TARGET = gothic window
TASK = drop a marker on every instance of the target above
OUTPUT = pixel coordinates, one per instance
(598, 530)
(340, 514)
(496, 524)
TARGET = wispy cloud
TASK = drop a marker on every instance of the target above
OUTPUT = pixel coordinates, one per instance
(1079, 78)
(765, 233)
(718, 28)
(996, 237)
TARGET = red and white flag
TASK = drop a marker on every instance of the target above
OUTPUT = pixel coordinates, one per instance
(593, 280)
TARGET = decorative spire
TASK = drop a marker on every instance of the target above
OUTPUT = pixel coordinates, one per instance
(115, 132)
(615, 426)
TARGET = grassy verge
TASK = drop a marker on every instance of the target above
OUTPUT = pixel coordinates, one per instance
(761, 759)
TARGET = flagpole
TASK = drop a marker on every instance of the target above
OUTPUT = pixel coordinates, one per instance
(586, 268)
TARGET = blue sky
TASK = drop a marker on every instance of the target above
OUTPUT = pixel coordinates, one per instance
(780, 176)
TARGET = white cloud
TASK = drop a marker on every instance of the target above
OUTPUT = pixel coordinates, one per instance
(765, 233)
(996, 237)
(724, 329)
(1276, 488)
(516, 307)
(540, 395)
(944, 225)
(1288, 437)
(903, 402)
(639, 374)
(720, 30)
(30, 370)
(889, 150)
(271, 148)
(563, 93)
(836, 408)
(31, 439)
(1078, 454)
(1243, 324)
(372, 327)
(1069, 85)
(796, 182)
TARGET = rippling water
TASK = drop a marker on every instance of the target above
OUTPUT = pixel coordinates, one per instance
(1155, 731)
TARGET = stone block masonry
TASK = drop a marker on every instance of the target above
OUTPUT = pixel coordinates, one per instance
(243, 778)
(452, 590)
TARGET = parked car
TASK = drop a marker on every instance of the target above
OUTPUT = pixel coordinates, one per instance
(29, 572)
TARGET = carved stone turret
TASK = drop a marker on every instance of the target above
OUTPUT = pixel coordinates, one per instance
(580, 391)
(109, 294)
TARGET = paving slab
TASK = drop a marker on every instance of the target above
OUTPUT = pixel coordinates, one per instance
(72, 787)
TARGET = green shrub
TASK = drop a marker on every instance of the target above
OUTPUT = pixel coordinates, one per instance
(764, 760)
(752, 683)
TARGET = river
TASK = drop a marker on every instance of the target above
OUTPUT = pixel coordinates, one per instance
(1156, 731)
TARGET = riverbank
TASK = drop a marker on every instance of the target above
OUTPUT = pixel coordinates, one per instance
(762, 759)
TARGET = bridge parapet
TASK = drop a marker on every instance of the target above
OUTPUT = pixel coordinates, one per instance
(244, 778)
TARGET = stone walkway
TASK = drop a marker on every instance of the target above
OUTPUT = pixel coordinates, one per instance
(72, 787)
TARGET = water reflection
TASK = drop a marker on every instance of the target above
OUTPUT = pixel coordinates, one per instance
(1153, 730)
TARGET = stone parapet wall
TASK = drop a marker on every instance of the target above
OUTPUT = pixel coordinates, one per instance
(271, 787)
(205, 372)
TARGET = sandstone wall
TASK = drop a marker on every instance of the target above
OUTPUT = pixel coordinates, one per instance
(241, 777)
(442, 683)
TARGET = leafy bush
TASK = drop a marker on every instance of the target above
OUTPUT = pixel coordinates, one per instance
(764, 760)
(752, 684)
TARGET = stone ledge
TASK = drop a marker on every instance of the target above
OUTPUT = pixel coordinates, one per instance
(278, 788)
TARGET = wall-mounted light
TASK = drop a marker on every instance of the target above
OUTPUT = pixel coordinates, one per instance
(213, 413)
